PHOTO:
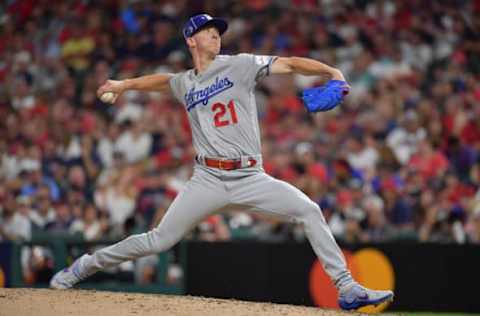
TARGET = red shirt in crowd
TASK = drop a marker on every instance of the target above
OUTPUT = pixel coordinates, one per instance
(429, 166)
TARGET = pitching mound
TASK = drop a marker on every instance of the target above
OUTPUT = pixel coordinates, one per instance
(43, 302)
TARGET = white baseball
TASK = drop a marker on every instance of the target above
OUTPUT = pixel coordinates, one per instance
(108, 97)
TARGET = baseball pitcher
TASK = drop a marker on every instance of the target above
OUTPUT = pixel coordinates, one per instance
(218, 95)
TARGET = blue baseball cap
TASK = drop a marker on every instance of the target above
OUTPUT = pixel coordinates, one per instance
(196, 22)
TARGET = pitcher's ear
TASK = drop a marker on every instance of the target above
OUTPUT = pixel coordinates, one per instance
(191, 42)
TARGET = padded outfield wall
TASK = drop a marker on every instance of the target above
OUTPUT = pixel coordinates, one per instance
(425, 277)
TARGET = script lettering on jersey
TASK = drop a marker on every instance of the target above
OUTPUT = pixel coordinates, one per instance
(194, 97)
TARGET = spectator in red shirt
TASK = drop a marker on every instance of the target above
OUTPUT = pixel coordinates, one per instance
(429, 162)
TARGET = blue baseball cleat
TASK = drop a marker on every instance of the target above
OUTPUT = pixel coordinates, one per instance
(68, 277)
(356, 296)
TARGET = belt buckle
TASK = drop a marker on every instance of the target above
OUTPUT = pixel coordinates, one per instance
(221, 164)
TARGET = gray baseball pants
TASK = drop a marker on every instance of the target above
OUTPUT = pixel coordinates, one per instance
(212, 190)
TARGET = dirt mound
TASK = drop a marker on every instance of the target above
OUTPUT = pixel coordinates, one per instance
(43, 302)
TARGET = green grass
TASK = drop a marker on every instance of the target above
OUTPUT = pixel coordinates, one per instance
(434, 314)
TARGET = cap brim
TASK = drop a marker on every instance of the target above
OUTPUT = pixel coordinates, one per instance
(219, 24)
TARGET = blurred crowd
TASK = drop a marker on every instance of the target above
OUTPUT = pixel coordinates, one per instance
(400, 159)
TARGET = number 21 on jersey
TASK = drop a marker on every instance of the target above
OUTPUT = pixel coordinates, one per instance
(222, 118)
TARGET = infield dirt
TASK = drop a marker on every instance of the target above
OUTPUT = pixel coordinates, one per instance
(44, 302)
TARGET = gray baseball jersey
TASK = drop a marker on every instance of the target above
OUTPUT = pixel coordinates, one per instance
(223, 116)
(221, 107)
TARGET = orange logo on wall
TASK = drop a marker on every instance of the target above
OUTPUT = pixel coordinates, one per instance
(2, 278)
(369, 267)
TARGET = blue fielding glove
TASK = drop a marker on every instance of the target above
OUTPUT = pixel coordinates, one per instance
(326, 97)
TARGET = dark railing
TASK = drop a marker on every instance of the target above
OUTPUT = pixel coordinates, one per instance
(61, 246)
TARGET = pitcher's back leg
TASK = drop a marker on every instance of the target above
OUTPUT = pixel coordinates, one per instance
(204, 194)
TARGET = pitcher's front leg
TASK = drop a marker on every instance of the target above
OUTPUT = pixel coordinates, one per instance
(267, 194)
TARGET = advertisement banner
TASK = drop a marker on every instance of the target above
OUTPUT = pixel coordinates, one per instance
(424, 277)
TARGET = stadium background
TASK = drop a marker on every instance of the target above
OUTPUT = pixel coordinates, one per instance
(397, 162)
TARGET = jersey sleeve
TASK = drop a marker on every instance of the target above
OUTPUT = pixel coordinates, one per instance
(176, 86)
(255, 67)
